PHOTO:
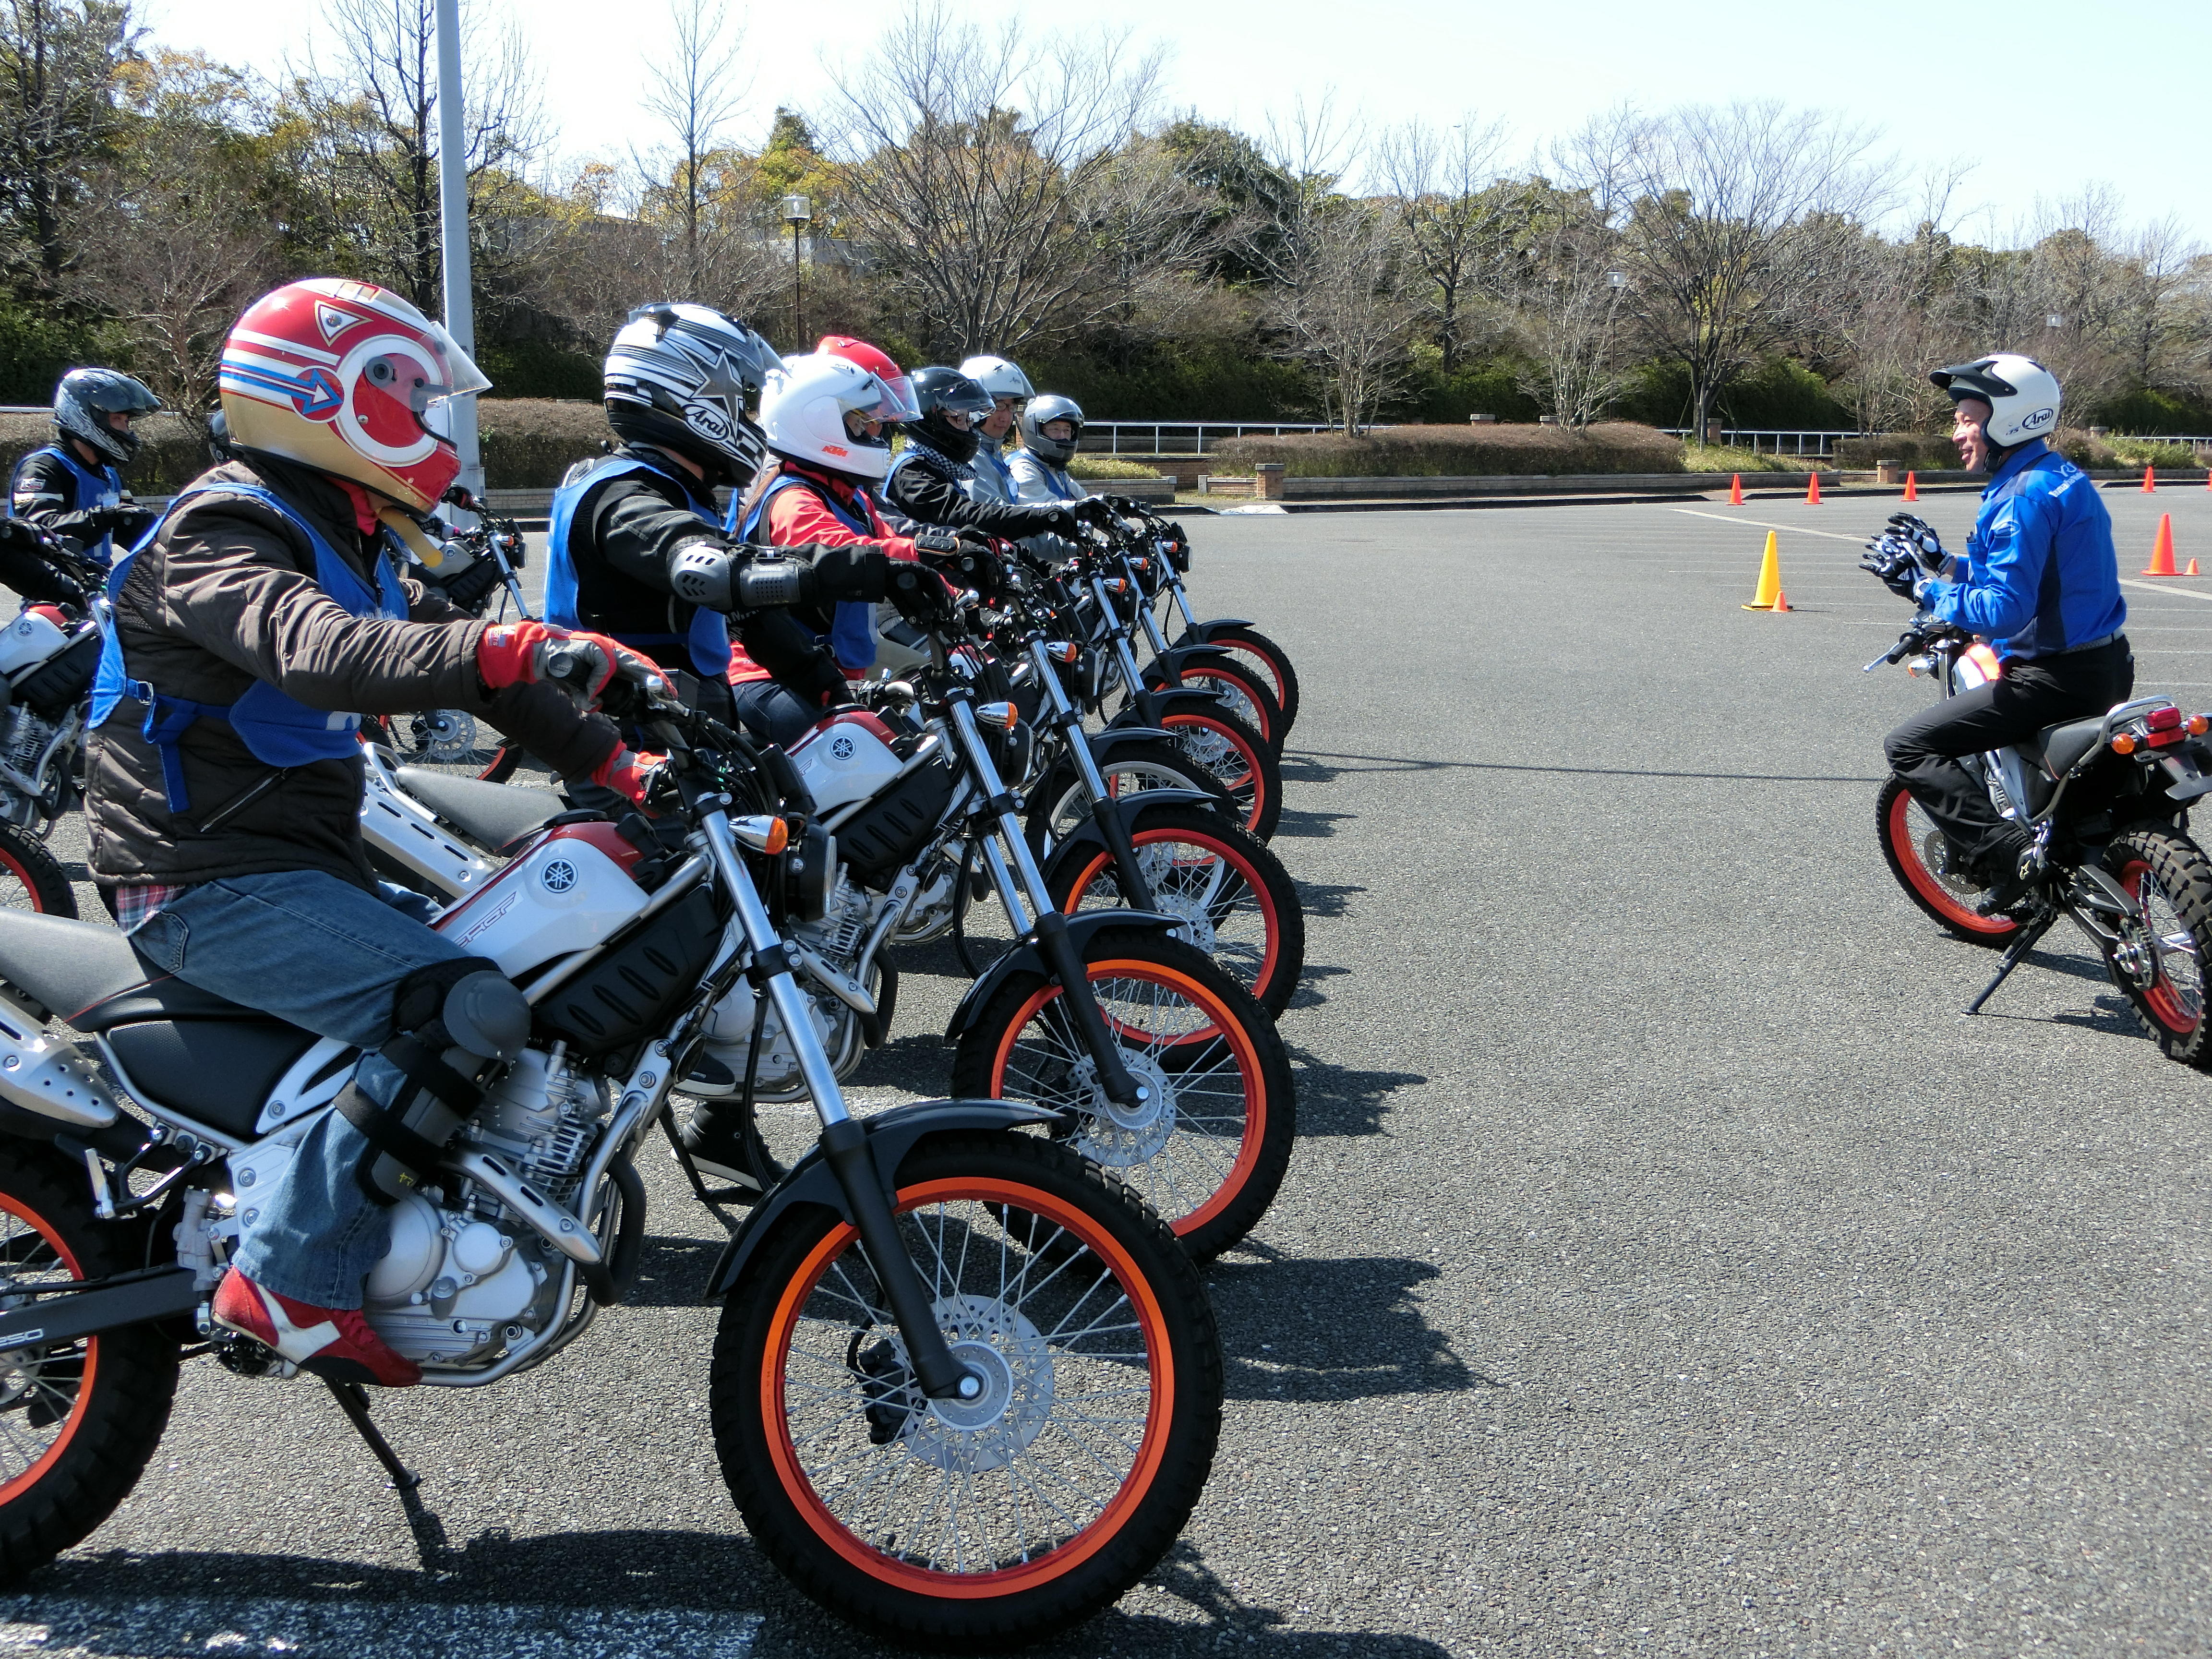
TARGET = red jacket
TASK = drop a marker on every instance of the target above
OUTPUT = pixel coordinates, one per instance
(802, 516)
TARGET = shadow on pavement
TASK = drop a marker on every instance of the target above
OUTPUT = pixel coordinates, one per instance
(1334, 1100)
(1408, 763)
(1331, 1329)
(1309, 994)
(1322, 899)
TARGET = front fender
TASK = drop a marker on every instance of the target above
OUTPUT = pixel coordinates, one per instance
(1152, 705)
(1206, 632)
(1104, 744)
(891, 1136)
(1025, 958)
(1167, 668)
(1091, 839)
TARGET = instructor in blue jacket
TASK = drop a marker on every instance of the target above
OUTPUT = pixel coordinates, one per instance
(2041, 583)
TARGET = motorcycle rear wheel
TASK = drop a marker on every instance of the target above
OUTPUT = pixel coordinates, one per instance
(1209, 1150)
(939, 1525)
(30, 879)
(2171, 881)
(1916, 854)
(81, 1418)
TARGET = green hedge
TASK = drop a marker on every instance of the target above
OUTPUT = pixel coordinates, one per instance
(529, 442)
(172, 450)
(1929, 452)
(1460, 452)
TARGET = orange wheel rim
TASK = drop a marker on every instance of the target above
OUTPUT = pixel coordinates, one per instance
(1926, 883)
(1063, 1557)
(2165, 1002)
(16, 1485)
(1223, 1028)
(1097, 866)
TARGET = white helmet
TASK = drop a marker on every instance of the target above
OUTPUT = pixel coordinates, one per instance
(803, 412)
(2022, 395)
(999, 377)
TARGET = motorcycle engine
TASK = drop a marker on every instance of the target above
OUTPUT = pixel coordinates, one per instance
(837, 937)
(24, 736)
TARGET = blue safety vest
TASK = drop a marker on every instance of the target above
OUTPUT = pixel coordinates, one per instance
(853, 623)
(277, 730)
(101, 489)
(993, 481)
(708, 641)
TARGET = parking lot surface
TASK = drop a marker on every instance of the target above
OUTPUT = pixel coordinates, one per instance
(1665, 1268)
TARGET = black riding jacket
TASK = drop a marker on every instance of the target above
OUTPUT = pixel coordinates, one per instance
(929, 489)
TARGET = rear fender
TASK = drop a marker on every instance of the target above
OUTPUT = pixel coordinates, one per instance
(1025, 958)
(891, 1136)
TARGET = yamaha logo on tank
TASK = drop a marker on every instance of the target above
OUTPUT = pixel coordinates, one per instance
(558, 877)
(842, 748)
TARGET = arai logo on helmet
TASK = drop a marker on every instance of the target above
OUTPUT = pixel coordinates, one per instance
(558, 877)
(709, 421)
(2036, 420)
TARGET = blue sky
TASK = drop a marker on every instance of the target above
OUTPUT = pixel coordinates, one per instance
(2041, 105)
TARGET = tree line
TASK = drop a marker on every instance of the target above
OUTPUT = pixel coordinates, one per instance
(974, 186)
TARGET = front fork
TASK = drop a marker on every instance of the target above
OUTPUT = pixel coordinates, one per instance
(1136, 891)
(867, 1190)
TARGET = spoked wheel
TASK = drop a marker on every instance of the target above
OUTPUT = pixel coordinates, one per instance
(1257, 651)
(993, 1523)
(1244, 693)
(1919, 857)
(2160, 964)
(1231, 894)
(77, 1419)
(1240, 761)
(501, 767)
(445, 738)
(1061, 805)
(1208, 1145)
(30, 879)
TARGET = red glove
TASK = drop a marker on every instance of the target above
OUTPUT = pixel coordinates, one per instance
(628, 773)
(514, 653)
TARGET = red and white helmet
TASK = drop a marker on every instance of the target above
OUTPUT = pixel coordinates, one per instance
(351, 379)
(803, 412)
(878, 363)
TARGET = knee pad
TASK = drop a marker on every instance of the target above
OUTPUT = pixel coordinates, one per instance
(467, 1003)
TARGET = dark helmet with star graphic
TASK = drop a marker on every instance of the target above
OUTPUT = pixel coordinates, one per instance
(679, 377)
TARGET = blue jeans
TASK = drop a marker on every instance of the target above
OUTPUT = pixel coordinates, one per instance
(328, 957)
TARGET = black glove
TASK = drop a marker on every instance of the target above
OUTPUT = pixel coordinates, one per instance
(468, 589)
(965, 560)
(1891, 561)
(1920, 537)
(1091, 510)
(21, 536)
(126, 524)
(1060, 521)
(920, 594)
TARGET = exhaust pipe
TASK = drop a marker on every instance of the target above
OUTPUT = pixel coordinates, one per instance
(48, 1078)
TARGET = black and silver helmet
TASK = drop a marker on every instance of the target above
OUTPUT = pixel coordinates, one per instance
(940, 391)
(679, 376)
(1040, 412)
(86, 397)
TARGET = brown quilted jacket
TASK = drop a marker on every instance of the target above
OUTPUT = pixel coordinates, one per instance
(226, 595)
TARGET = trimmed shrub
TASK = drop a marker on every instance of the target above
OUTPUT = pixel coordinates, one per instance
(1105, 466)
(527, 443)
(1929, 452)
(171, 452)
(2148, 452)
(1461, 452)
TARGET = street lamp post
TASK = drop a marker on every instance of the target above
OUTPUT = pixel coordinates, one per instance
(453, 233)
(797, 212)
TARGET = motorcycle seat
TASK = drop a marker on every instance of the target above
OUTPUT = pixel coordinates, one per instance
(90, 977)
(2058, 749)
(493, 815)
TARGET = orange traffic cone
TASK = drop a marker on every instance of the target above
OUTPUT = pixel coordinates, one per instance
(1812, 490)
(1769, 594)
(1735, 489)
(1781, 602)
(2150, 483)
(2192, 570)
(2161, 550)
(1911, 488)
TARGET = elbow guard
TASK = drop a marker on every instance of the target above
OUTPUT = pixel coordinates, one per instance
(703, 574)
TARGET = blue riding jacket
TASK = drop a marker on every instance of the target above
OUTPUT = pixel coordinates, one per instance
(2041, 577)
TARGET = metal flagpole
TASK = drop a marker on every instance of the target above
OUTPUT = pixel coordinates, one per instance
(453, 230)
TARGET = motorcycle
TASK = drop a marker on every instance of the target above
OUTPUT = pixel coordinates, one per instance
(48, 656)
(965, 1390)
(2105, 801)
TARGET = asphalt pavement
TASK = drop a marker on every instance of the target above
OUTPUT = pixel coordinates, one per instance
(1667, 1267)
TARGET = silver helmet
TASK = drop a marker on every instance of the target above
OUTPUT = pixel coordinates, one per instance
(1040, 413)
(86, 398)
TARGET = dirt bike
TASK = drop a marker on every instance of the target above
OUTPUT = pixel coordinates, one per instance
(48, 656)
(2105, 801)
(965, 1389)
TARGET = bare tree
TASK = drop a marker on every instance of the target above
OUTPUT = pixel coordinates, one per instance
(1352, 320)
(1153, 234)
(1453, 220)
(1734, 216)
(58, 64)
(970, 157)
(696, 93)
(1574, 296)
(1900, 317)
(175, 243)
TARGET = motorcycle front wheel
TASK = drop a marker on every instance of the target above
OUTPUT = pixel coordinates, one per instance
(1062, 805)
(990, 1524)
(78, 1419)
(1269, 658)
(2159, 966)
(1919, 857)
(30, 879)
(1240, 762)
(1209, 1144)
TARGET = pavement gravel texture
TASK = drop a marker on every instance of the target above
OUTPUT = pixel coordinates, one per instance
(1667, 1266)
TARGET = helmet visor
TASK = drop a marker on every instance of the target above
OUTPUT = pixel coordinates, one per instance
(876, 401)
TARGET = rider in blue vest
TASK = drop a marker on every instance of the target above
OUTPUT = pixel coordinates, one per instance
(2040, 582)
(1010, 391)
(637, 548)
(1052, 427)
(73, 487)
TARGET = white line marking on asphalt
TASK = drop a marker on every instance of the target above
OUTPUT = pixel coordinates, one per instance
(173, 1626)
(1762, 524)
(2157, 588)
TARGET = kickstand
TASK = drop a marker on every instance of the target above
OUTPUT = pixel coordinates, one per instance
(2016, 953)
(353, 1400)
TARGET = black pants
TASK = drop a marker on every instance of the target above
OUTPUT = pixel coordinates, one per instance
(1924, 750)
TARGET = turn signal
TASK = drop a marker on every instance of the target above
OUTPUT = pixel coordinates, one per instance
(2197, 725)
(1066, 651)
(763, 835)
(1117, 584)
(998, 716)
(2124, 743)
